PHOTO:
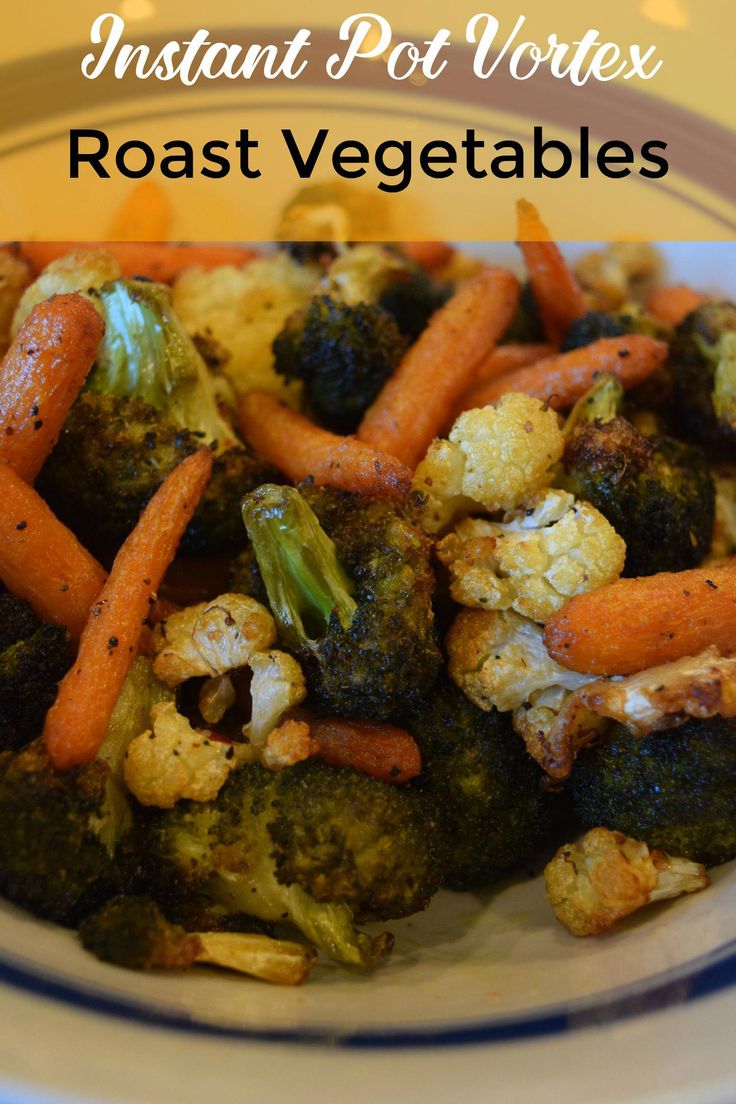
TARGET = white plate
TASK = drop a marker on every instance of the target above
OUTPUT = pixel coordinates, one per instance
(485, 996)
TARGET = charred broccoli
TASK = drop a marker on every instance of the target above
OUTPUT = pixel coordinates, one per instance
(67, 842)
(491, 810)
(62, 842)
(526, 325)
(305, 845)
(596, 324)
(657, 493)
(34, 656)
(149, 402)
(675, 790)
(703, 367)
(344, 354)
(350, 584)
(412, 297)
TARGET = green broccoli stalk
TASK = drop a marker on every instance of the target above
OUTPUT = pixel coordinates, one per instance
(344, 354)
(492, 813)
(350, 584)
(657, 492)
(703, 365)
(224, 851)
(150, 402)
(674, 790)
(34, 656)
(147, 354)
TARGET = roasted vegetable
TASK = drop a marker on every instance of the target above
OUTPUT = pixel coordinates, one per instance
(34, 656)
(703, 366)
(306, 845)
(350, 585)
(491, 810)
(674, 790)
(150, 401)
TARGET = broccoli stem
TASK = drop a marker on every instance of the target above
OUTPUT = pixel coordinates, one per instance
(304, 579)
(601, 403)
(147, 354)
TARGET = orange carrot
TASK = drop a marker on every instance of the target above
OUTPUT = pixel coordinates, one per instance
(561, 380)
(507, 358)
(557, 292)
(429, 255)
(380, 750)
(40, 377)
(634, 624)
(41, 560)
(145, 215)
(161, 261)
(423, 392)
(672, 304)
(301, 450)
(76, 723)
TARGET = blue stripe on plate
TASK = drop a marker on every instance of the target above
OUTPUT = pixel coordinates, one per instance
(700, 978)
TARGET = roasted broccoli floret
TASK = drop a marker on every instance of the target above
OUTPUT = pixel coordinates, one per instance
(658, 493)
(132, 932)
(703, 367)
(267, 836)
(486, 789)
(675, 790)
(68, 840)
(344, 354)
(412, 297)
(62, 843)
(350, 584)
(629, 319)
(526, 325)
(34, 656)
(150, 401)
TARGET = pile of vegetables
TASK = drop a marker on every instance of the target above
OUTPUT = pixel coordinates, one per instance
(337, 576)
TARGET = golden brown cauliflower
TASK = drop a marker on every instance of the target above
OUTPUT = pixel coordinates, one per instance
(555, 725)
(288, 744)
(535, 559)
(662, 697)
(498, 658)
(607, 875)
(211, 638)
(277, 685)
(174, 761)
(621, 271)
(495, 459)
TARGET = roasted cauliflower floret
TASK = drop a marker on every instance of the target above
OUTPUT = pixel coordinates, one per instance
(278, 684)
(662, 697)
(622, 271)
(554, 725)
(174, 761)
(498, 658)
(242, 310)
(211, 638)
(79, 270)
(288, 744)
(496, 457)
(607, 875)
(537, 558)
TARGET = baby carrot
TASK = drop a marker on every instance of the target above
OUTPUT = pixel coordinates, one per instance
(145, 215)
(422, 394)
(634, 624)
(672, 304)
(76, 723)
(429, 255)
(301, 450)
(40, 377)
(41, 560)
(561, 380)
(162, 261)
(380, 750)
(557, 292)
